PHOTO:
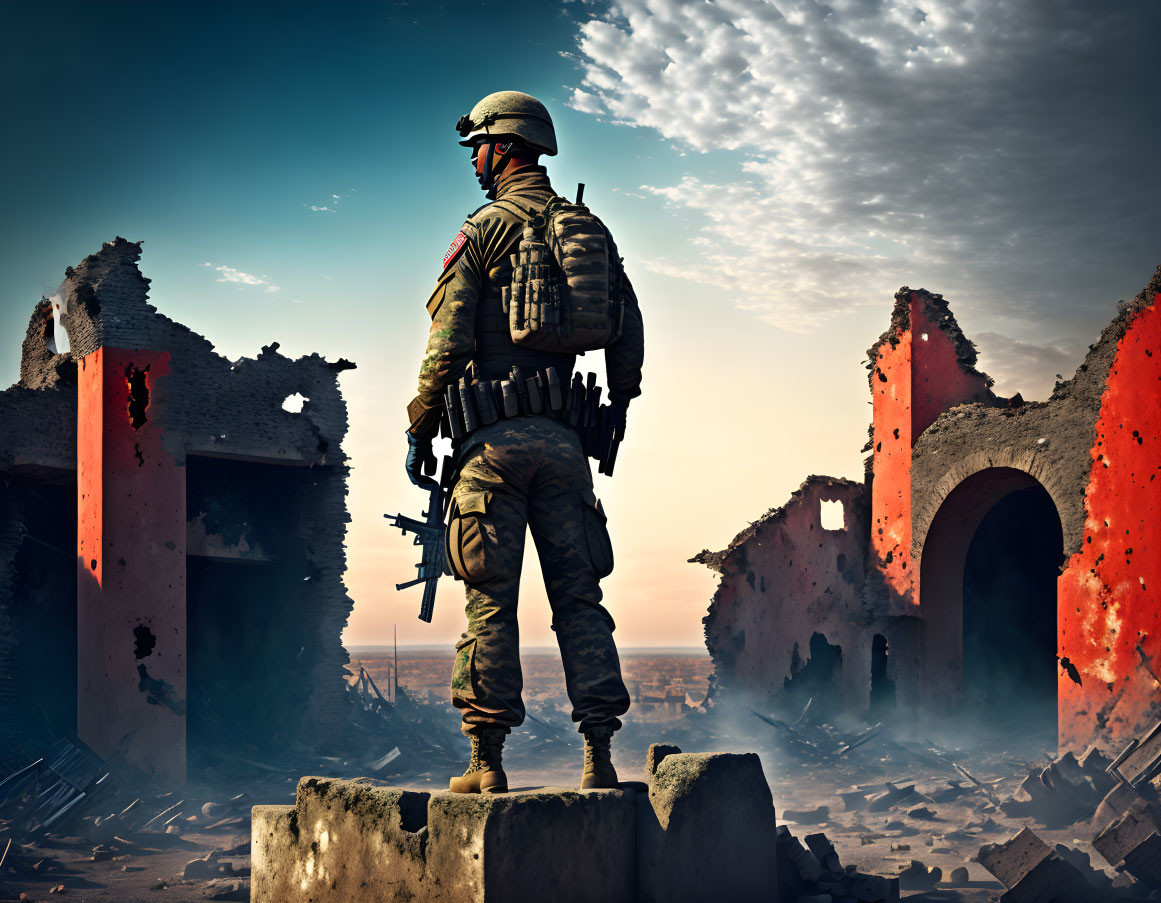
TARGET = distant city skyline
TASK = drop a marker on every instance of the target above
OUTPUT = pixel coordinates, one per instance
(772, 174)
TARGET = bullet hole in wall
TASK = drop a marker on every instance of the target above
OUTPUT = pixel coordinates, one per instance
(138, 395)
(144, 642)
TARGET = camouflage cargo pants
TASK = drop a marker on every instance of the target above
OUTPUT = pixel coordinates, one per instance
(525, 474)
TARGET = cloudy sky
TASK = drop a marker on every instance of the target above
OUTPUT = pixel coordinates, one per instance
(773, 172)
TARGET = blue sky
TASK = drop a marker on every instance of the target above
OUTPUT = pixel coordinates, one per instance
(772, 174)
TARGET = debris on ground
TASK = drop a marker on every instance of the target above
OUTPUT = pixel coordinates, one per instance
(814, 872)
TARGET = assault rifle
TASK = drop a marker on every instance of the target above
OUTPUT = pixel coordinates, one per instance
(429, 535)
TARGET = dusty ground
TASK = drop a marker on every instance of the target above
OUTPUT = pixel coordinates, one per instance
(804, 766)
(149, 869)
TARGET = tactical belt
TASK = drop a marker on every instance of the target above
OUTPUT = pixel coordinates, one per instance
(473, 403)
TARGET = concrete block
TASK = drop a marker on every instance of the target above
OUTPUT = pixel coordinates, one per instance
(1012, 860)
(657, 752)
(1033, 873)
(550, 844)
(1135, 839)
(706, 831)
(1052, 880)
(341, 841)
(273, 852)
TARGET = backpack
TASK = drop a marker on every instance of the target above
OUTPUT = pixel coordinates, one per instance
(565, 294)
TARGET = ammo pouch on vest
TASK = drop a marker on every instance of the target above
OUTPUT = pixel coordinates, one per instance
(566, 290)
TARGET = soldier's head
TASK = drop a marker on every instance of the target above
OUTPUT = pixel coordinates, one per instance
(505, 131)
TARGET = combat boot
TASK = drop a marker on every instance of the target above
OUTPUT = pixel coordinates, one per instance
(485, 772)
(599, 772)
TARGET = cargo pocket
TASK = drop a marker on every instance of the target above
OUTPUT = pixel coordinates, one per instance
(597, 535)
(472, 550)
(461, 680)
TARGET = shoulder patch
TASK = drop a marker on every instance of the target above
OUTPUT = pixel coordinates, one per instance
(454, 248)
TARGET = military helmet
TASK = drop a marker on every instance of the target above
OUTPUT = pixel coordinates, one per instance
(510, 113)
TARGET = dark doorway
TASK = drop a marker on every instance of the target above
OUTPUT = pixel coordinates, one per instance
(882, 686)
(42, 659)
(252, 637)
(1009, 611)
(816, 680)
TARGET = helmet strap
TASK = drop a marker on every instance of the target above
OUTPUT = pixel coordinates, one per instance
(494, 165)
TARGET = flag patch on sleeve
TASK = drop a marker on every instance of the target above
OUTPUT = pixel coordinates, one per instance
(454, 249)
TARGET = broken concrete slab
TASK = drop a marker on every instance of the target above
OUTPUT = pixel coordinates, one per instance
(1012, 860)
(1133, 842)
(1033, 873)
(706, 830)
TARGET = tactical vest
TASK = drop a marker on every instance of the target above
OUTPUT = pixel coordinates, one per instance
(496, 353)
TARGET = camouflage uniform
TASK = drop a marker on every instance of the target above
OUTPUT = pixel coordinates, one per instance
(524, 472)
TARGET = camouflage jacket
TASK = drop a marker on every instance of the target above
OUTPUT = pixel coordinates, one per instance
(467, 322)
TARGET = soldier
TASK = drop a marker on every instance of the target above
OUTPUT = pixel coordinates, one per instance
(522, 472)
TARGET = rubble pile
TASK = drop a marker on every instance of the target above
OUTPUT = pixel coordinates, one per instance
(71, 808)
(71, 814)
(1066, 791)
(1123, 812)
(814, 874)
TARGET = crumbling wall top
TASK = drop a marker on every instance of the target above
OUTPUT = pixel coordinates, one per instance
(940, 313)
(41, 365)
(826, 489)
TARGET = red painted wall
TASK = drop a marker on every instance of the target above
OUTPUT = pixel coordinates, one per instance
(913, 382)
(131, 605)
(1108, 594)
(891, 384)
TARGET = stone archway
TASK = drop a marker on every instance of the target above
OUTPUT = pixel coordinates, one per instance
(1011, 613)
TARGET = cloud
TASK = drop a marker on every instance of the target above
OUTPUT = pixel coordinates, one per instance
(1026, 367)
(229, 274)
(331, 204)
(996, 152)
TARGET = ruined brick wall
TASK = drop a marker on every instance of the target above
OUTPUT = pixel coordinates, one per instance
(945, 452)
(37, 446)
(919, 367)
(175, 399)
(784, 579)
(39, 413)
(1081, 448)
(1109, 613)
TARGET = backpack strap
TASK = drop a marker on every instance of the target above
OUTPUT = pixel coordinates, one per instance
(509, 204)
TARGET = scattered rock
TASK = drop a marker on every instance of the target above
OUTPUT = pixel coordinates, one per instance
(917, 876)
(102, 854)
(228, 889)
(813, 817)
(200, 869)
(959, 877)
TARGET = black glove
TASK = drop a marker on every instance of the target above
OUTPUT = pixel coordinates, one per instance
(619, 412)
(420, 460)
